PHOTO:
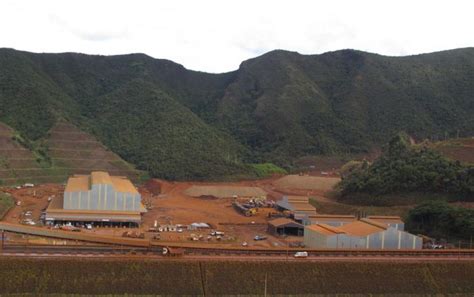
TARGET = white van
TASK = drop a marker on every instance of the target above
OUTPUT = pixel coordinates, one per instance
(301, 254)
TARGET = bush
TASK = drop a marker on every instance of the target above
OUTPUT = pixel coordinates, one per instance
(439, 219)
(267, 169)
(404, 168)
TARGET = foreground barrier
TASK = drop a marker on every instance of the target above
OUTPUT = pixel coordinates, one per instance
(190, 249)
(94, 238)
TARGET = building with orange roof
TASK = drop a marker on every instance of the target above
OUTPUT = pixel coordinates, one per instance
(299, 206)
(359, 234)
(97, 197)
(332, 220)
(285, 226)
(392, 221)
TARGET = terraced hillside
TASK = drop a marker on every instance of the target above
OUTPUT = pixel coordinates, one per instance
(75, 151)
(17, 164)
(70, 151)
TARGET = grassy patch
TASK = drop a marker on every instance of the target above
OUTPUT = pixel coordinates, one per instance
(267, 169)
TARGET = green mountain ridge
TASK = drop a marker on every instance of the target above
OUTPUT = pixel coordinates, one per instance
(182, 124)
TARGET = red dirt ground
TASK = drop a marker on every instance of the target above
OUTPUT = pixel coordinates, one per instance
(172, 206)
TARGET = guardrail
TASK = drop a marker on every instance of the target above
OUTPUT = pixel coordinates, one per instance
(107, 239)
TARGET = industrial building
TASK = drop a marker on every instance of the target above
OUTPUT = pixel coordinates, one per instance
(298, 206)
(284, 226)
(331, 220)
(340, 220)
(360, 234)
(97, 197)
(392, 221)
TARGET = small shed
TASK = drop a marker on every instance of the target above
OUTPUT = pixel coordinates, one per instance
(284, 226)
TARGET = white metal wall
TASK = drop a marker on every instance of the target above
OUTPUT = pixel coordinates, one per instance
(388, 239)
(102, 197)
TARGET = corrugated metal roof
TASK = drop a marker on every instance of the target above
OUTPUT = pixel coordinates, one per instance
(325, 229)
(386, 219)
(297, 206)
(100, 177)
(296, 203)
(363, 227)
(283, 221)
(57, 205)
(123, 184)
(78, 183)
(83, 183)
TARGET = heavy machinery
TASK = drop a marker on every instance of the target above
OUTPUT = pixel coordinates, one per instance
(243, 209)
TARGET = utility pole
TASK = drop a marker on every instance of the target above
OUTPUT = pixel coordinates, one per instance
(459, 251)
(287, 248)
(3, 240)
(265, 289)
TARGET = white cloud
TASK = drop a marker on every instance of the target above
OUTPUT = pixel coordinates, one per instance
(215, 36)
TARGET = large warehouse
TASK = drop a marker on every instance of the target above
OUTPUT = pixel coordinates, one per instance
(360, 234)
(97, 197)
(299, 206)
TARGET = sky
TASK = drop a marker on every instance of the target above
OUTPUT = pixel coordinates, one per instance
(216, 36)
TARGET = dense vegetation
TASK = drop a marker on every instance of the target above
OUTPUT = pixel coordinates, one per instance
(217, 278)
(405, 168)
(441, 220)
(183, 124)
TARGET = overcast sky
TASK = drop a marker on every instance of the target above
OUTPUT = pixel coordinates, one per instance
(216, 36)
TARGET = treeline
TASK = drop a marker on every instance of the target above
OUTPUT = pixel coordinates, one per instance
(406, 168)
(440, 220)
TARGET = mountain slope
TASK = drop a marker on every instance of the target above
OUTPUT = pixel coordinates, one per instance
(347, 100)
(66, 150)
(183, 124)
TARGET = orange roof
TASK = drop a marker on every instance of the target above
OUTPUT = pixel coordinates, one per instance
(282, 221)
(325, 229)
(386, 219)
(329, 217)
(100, 177)
(363, 227)
(78, 183)
(301, 206)
(123, 184)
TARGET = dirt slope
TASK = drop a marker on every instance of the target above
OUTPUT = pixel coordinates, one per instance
(75, 151)
(17, 164)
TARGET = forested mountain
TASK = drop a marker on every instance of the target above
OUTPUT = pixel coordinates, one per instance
(183, 124)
